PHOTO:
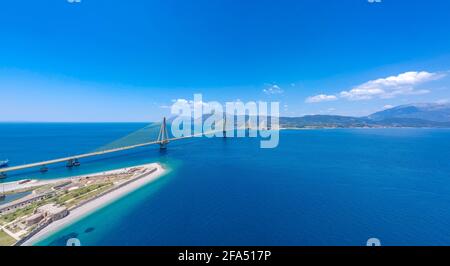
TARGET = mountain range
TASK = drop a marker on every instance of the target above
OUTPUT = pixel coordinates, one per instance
(410, 115)
(430, 115)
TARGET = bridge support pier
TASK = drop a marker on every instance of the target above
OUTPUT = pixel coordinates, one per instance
(163, 137)
(44, 169)
(72, 162)
(69, 163)
(163, 146)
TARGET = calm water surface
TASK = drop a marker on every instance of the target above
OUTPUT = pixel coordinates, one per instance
(319, 187)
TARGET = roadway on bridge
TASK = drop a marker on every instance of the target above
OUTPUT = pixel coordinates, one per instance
(80, 156)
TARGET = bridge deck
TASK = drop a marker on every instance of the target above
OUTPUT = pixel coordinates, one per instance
(80, 156)
(65, 159)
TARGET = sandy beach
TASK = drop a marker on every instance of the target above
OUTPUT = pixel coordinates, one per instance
(98, 203)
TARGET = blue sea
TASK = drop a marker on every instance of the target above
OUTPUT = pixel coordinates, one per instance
(318, 187)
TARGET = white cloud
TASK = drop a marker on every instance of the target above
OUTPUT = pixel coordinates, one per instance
(191, 103)
(388, 106)
(180, 101)
(273, 89)
(443, 101)
(321, 98)
(390, 87)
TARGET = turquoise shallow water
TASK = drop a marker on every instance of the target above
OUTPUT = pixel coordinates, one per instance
(13, 197)
(319, 187)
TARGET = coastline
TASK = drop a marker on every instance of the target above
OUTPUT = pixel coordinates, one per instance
(320, 128)
(97, 203)
(33, 183)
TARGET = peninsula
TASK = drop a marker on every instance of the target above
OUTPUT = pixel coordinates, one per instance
(48, 206)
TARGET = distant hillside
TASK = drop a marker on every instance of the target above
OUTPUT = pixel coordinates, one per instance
(412, 115)
(409, 122)
(332, 121)
(427, 111)
(323, 121)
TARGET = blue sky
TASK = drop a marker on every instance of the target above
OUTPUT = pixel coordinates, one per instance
(127, 60)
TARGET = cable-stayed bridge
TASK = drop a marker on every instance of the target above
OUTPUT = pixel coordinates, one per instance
(162, 140)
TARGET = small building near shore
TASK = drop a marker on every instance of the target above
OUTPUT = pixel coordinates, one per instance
(62, 185)
(34, 219)
(73, 188)
(53, 211)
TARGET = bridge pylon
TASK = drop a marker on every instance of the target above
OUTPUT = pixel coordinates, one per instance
(163, 137)
(224, 125)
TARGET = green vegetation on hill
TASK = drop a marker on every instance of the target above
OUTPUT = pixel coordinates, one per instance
(334, 121)
(412, 115)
